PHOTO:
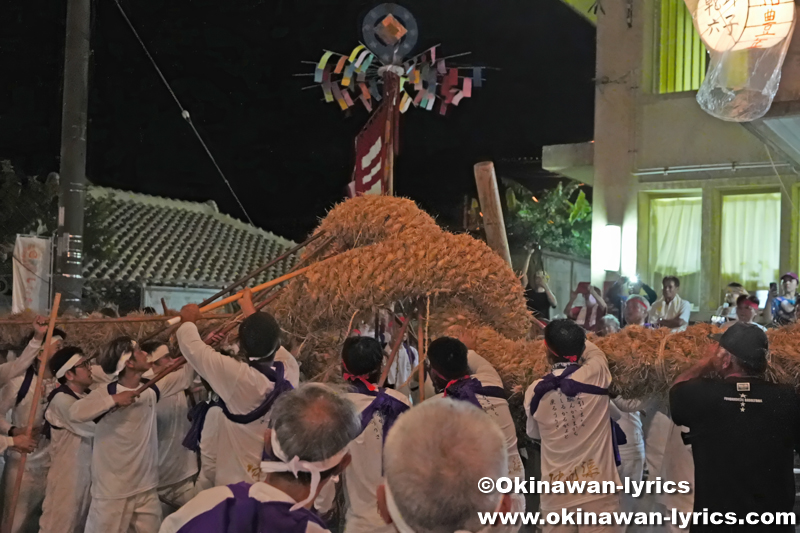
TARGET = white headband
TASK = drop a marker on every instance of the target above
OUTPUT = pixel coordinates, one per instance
(296, 465)
(158, 353)
(55, 338)
(69, 365)
(122, 360)
(400, 523)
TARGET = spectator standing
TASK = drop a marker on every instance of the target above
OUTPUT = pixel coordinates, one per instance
(743, 429)
(746, 311)
(671, 311)
(594, 307)
(539, 296)
(728, 308)
(781, 308)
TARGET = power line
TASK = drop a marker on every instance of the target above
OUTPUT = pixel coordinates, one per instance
(184, 112)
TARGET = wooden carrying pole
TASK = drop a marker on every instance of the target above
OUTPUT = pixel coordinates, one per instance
(8, 524)
(421, 354)
(489, 197)
(397, 342)
(238, 296)
(261, 269)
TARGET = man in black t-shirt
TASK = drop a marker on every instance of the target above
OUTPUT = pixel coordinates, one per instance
(743, 431)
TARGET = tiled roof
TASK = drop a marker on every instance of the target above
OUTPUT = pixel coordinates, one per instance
(160, 241)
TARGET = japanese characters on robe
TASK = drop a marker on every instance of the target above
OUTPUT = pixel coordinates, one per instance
(575, 432)
(67, 499)
(243, 389)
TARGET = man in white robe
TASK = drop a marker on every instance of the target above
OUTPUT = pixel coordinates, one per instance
(575, 429)
(125, 456)
(17, 396)
(246, 390)
(67, 498)
(462, 374)
(378, 408)
(307, 446)
(177, 465)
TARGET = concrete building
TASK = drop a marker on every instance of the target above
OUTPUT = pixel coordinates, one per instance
(707, 200)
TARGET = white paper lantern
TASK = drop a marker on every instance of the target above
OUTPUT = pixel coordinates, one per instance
(729, 25)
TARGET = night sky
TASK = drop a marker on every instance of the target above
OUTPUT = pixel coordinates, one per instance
(288, 154)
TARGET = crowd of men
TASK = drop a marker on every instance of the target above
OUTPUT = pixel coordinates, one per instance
(266, 453)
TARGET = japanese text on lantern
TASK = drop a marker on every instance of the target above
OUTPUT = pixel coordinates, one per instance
(730, 25)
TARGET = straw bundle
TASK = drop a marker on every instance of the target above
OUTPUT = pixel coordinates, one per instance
(92, 337)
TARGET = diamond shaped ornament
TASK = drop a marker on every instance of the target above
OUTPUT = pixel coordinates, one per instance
(390, 30)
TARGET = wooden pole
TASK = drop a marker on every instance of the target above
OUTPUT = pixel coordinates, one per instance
(120, 320)
(164, 306)
(390, 84)
(261, 269)
(395, 347)
(489, 197)
(421, 354)
(37, 395)
(238, 296)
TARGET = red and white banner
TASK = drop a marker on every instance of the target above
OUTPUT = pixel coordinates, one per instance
(369, 176)
(31, 288)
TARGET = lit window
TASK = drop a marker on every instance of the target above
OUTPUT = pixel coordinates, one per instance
(681, 53)
(751, 239)
(674, 245)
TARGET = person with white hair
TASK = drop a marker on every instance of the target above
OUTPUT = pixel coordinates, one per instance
(312, 427)
(378, 408)
(17, 397)
(461, 374)
(247, 390)
(435, 489)
(177, 465)
(607, 325)
(125, 454)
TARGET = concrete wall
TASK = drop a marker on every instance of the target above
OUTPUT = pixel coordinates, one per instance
(637, 131)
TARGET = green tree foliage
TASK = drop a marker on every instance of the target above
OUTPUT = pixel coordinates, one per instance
(559, 220)
(29, 205)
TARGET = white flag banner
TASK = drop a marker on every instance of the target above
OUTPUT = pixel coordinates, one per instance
(31, 288)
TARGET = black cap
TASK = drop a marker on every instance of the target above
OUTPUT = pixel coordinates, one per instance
(747, 342)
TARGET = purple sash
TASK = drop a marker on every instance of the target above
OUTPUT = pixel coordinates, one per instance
(112, 390)
(388, 406)
(275, 374)
(30, 374)
(243, 514)
(572, 388)
(197, 416)
(467, 390)
(47, 429)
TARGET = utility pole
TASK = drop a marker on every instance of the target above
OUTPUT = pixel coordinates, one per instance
(72, 184)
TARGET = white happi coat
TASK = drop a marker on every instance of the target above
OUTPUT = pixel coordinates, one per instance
(34, 480)
(209, 440)
(365, 472)
(243, 389)
(125, 457)
(498, 410)
(176, 463)
(66, 502)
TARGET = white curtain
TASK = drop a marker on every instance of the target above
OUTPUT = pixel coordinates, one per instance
(675, 232)
(751, 232)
